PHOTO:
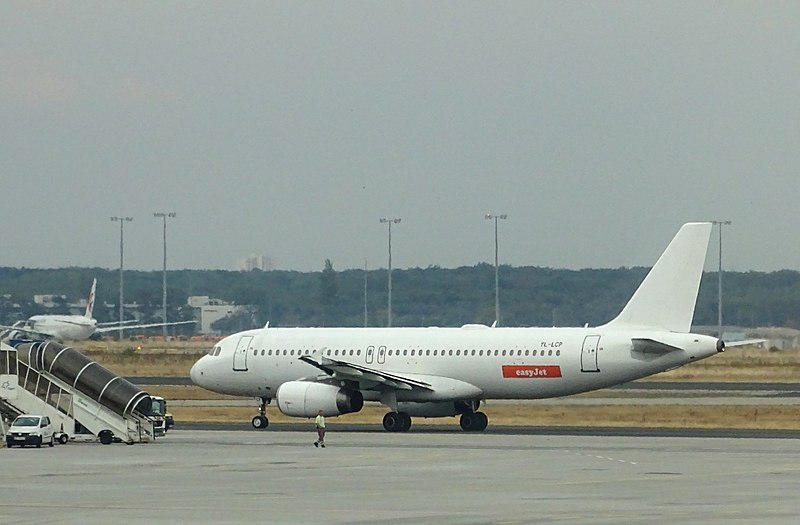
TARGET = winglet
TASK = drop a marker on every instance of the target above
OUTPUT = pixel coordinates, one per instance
(667, 297)
(90, 303)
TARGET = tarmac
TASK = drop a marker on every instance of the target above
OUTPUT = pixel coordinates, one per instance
(438, 477)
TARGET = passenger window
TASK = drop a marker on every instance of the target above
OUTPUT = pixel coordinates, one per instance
(405, 352)
(496, 353)
(534, 353)
(480, 353)
(435, 352)
(550, 352)
(263, 351)
(427, 352)
(255, 352)
(412, 352)
(526, 353)
(458, 352)
(558, 352)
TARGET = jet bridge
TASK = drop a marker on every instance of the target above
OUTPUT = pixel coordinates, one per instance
(74, 391)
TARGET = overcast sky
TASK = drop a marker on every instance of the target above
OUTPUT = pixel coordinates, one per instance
(289, 129)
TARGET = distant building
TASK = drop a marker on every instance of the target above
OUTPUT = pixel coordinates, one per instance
(49, 300)
(208, 310)
(254, 262)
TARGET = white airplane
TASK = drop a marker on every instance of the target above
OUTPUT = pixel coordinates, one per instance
(440, 372)
(72, 327)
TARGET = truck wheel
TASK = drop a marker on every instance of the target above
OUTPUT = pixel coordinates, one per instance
(62, 439)
(106, 437)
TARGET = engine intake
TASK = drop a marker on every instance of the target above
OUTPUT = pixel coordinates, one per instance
(306, 399)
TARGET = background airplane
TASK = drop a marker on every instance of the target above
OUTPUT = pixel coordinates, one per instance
(439, 372)
(72, 327)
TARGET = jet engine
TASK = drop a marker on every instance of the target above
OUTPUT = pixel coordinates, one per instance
(306, 399)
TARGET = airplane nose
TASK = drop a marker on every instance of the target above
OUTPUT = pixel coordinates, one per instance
(196, 373)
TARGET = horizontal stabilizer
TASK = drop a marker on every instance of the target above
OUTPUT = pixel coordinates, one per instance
(651, 346)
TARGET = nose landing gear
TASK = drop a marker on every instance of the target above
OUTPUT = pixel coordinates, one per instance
(260, 422)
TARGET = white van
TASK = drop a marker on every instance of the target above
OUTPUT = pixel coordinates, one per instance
(30, 430)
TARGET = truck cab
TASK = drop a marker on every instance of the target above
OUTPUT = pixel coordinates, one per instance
(162, 420)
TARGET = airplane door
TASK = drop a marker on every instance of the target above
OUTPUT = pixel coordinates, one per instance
(381, 354)
(240, 355)
(589, 354)
(370, 354)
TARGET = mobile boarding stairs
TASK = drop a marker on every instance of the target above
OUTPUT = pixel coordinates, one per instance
(75, 392)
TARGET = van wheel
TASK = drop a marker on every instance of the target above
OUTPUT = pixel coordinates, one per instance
(62, 439)
(52, 441)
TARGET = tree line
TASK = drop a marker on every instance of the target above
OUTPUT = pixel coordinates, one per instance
(433, 296)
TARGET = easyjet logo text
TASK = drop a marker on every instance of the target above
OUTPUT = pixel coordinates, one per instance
(528, 371)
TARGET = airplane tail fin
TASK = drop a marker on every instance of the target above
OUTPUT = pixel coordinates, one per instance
(90, 303)
(666, 298)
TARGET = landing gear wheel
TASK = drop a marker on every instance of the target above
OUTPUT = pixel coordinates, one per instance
(481, 421)
(392, 422)
(405, 421)
(106, 437)
(474, 421)
(467, 420)
(260, 422)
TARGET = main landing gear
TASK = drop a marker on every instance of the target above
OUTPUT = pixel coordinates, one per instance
(475, 421)
(396, 422)
(401, 421)
(261, 422)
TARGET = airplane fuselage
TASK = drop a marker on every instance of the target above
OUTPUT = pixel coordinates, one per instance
(63, 327)
(469, 362)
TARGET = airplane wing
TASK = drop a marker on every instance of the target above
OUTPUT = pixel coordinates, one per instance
(117, 323)
(353, 372)
(117, 328)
